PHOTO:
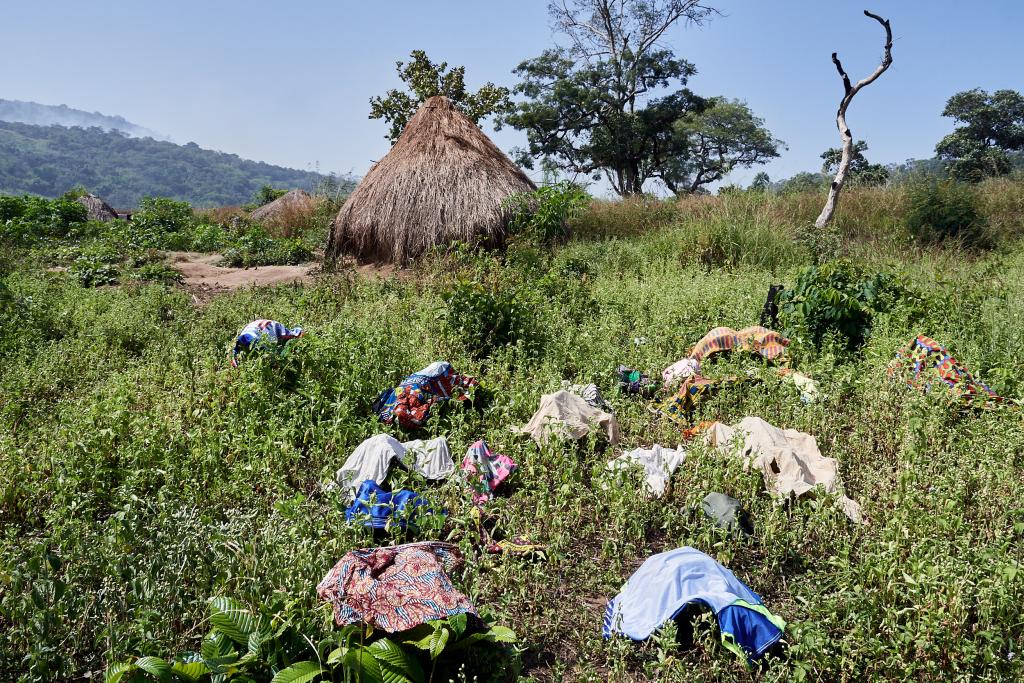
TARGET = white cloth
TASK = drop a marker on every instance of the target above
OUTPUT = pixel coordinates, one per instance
(658, 463)
(680, 370)
(568, 415)
(372, 460)
(433, 458)
(789, 460)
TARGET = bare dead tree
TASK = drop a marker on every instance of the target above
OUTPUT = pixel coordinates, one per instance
(844, 131)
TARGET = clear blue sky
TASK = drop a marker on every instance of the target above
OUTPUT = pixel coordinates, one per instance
(288, 83)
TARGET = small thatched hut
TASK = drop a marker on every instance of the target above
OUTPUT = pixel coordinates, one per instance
(96, 208)
(443, 181)
(294, 205)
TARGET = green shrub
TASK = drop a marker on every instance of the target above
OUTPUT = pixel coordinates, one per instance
(207, 237)
(544, 214)
(257, 248)
(160, 223)
(837, 297)
(93, 271)
(940, 210)
(11, 208)
(484, 321)
(267, 194)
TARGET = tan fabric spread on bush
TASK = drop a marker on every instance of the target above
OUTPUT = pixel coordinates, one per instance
(568, 415)
(788, 459)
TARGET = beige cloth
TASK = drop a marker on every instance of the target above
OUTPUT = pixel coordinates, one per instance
(568, 415)
(789, 460)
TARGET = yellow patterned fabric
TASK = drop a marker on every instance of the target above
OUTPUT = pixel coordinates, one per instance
(756, 339)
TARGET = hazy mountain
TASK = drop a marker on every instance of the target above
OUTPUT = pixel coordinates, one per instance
(37, 114)
(49, 160)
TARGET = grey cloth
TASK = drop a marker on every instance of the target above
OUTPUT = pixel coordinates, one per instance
(372, 460)
(725, 511)
(589, 393)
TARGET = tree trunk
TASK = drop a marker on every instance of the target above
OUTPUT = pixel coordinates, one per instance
(844, 131)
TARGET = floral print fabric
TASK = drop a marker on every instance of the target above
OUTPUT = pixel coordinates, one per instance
(410, 402)
(397, 588)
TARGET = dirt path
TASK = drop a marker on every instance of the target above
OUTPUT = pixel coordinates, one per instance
(204, 279)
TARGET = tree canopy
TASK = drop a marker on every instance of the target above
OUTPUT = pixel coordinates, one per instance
(991, 127)
(425, 79)
(723, 135)
(612, 102)
(861, 171)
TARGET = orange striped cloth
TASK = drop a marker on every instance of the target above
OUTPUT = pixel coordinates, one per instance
(756, 339)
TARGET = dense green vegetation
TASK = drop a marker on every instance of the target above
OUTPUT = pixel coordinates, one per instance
(48, 160)
(141, 476)
(97, 253)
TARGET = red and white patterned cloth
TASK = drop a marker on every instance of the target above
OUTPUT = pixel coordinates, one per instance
(397, 588)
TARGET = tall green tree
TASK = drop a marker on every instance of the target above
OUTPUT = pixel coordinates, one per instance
(591, 107)
(861, 172)
(990, 127)
(425, 79)
(709, 144)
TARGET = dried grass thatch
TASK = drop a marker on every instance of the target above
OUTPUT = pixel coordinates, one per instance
(443, 181)
(292, 203)
(96, 208)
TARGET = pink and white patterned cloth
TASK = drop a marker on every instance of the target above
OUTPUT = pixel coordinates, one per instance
(485, 471)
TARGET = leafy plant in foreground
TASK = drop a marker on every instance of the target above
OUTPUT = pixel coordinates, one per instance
(265, 648)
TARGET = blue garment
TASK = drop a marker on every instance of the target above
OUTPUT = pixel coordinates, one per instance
(262, 334)
(667, 582)
(375, 507)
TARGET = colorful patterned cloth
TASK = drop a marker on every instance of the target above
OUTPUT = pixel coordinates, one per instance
(411, 401)
(756, 339)
(395, 589)
(634, 382)
(485, 471)
(264, 335)
(692, 392)
(376, 508)
(925, 360)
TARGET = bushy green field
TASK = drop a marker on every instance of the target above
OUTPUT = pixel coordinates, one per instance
(140, 474)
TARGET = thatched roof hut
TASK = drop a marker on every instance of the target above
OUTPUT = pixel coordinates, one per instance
(296, 204)
(443, 181)
(96, 208)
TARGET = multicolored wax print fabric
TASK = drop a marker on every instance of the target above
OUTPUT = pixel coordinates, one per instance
(755, 339)
(262, 334)
(395, 589)
(485, 471)
(411, 401)
(926, 360)
(693, 390)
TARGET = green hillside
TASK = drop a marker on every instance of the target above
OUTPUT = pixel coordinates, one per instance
(47, 160)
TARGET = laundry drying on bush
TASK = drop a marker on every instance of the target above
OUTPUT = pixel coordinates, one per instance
(262, 335)
(410, 403)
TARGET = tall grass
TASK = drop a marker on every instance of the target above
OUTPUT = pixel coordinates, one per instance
(139, 474)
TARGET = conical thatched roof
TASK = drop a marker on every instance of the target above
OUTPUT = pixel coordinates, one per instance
(293, 203)
(443, 181)
(98, 210)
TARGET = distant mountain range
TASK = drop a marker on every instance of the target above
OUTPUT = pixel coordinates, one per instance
(37, 114)
(122, 162)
